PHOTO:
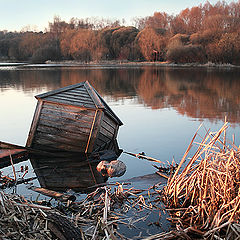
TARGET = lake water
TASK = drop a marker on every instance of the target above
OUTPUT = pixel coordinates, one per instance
(161, 108)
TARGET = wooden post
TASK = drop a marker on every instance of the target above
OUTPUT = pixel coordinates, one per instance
(34, 123)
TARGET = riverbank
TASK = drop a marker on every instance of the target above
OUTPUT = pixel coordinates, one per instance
(114, 64)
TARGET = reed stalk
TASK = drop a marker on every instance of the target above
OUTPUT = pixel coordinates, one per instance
(206, 193)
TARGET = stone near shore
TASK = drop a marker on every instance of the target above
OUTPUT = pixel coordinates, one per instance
(114, 168)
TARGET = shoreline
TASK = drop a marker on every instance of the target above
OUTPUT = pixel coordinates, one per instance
(115, 64)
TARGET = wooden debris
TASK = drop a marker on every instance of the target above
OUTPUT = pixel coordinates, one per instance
(57, 195)
(143, 156)
(24, 221)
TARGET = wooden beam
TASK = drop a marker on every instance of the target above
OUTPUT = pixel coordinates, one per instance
(34, 123)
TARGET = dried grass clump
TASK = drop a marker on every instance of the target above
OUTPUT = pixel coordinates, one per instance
(204, 199)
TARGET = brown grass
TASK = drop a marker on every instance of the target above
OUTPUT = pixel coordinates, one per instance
(205, 196)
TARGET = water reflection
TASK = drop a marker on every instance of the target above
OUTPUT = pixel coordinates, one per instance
(74, 172)
(197, 93)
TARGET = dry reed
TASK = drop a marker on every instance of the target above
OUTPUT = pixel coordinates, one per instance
(204, 197)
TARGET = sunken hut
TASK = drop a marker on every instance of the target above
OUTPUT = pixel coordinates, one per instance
(74, 118)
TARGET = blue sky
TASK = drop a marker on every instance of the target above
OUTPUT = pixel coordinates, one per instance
(17, 14)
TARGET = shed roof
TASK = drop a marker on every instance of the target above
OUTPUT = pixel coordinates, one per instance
(80, 95)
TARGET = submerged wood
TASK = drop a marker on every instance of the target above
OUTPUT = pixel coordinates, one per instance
(18, 154)
(26, 150)
(57, 195)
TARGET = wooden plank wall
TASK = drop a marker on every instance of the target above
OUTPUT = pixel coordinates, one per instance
(77, 97)
(63, 127)
(107, 132)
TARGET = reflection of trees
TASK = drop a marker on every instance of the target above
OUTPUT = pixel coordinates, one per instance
(117, 83)
(30, 81)
(197, 93)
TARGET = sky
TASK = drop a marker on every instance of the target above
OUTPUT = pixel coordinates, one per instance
(15, 15)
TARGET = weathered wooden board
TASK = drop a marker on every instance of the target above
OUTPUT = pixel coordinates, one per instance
(67, 102)
(75, 97)
(17, 155)
(62, 133)
(64, 123)
(64, 115)
(107, 127)
(109, 121)
(60, 142)
(69, 109)
(53, 146)
(79, 92)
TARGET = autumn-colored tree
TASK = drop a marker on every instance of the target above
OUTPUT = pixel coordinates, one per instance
(4, 44)
(158, 21)
(149, 41)
(29, 43)
(187, 54)
(139, 22)
(58, 26)
(177, 26)
(179, 50)
(13, 50)
(105, 37)
(122, 42)
(65, 43)
(210, 30)
(226, 50)
(204, 37)
(83, 44)
(188, 21)
(46, 52)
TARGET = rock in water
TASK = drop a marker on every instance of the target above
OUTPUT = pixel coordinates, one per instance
(114, 168)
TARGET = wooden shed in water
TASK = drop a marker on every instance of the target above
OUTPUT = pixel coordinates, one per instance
(74, 118)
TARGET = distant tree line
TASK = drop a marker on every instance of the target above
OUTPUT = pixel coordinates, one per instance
(208, 32)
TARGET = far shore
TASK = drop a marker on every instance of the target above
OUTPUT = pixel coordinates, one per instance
(113, 64)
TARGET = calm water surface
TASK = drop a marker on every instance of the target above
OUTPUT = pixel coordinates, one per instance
(161, 108)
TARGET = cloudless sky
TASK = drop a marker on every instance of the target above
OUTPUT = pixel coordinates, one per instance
(17, 14)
